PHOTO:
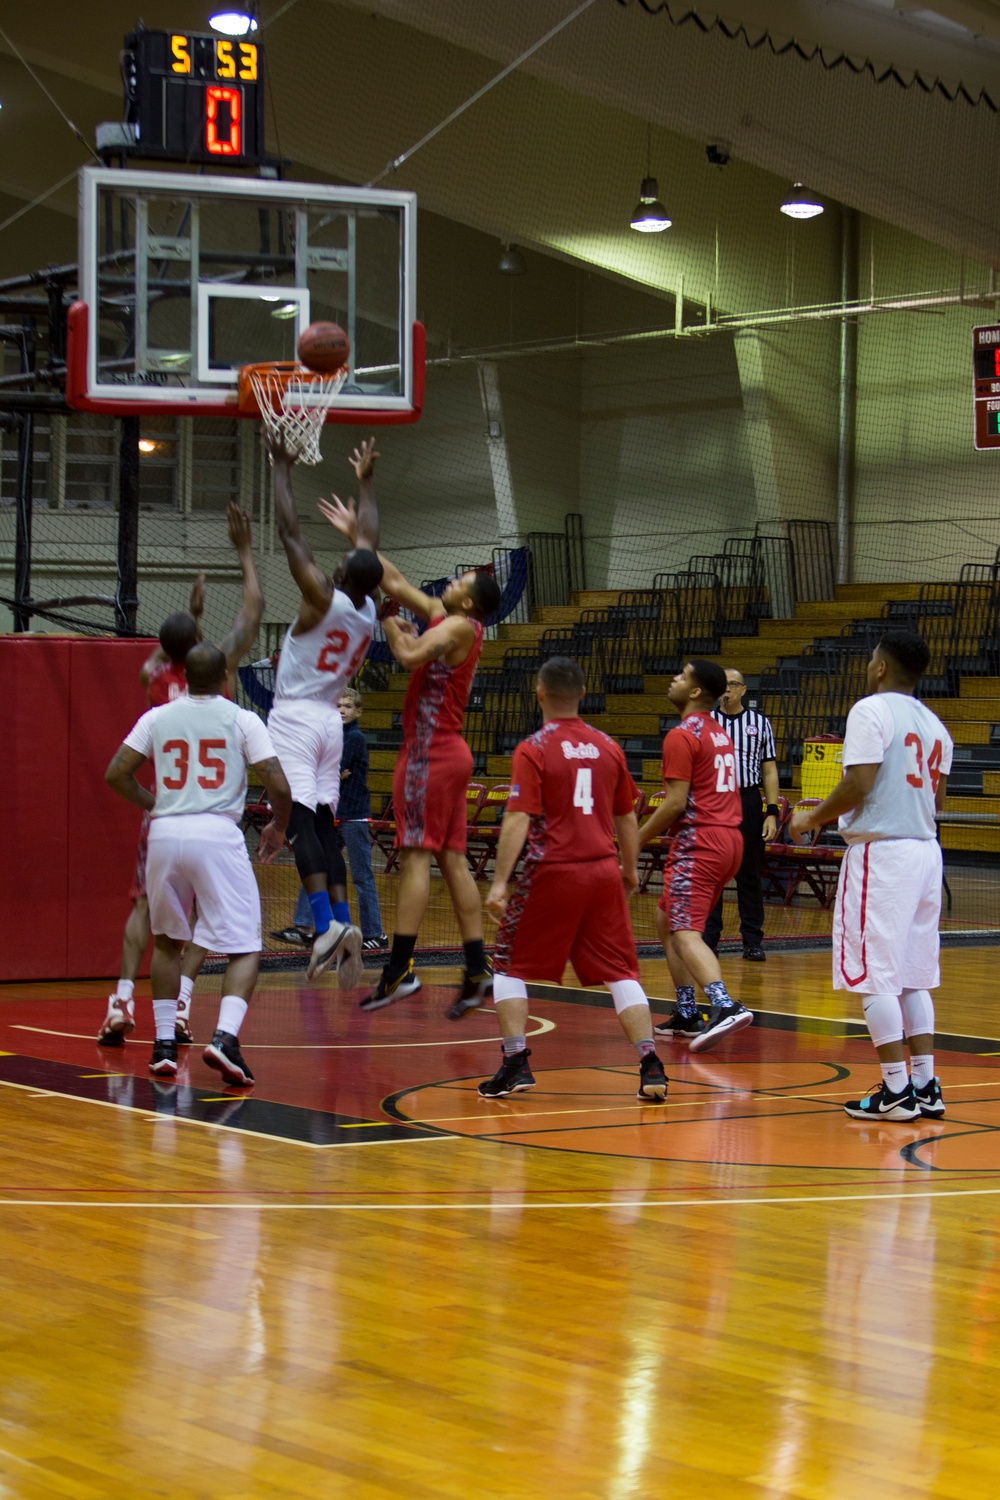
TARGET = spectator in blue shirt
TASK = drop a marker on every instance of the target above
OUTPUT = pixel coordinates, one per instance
(353, 817)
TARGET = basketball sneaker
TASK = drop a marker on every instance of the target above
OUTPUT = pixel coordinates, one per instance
(224, 1055)
(511, 1077)
(350, 965)
(930, 1100)
(295, 937)
(374, 944)
(723, 1020)
(652, 1080)
(475, 989)
(164, 1059)
(678, 1024)
(325, 946)
(118, 1023)
(182, 1024)
(387, 990)
(882, 1104)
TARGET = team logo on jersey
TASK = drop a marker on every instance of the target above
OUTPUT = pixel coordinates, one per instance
(720, 739)
(580, 752)
(751, 729)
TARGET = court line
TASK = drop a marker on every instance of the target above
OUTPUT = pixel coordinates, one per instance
(541, 1028)
(616, 1203)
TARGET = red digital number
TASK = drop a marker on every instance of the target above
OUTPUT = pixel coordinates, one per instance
(916, 776)
(216, 144)
(178, 777)
(996, 363)
(211, 763)
(337, 642)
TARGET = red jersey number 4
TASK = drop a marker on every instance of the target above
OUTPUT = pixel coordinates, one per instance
(915, 762)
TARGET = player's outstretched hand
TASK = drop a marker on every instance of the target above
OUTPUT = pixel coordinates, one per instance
(406, 627)
(496, 901)
(196, 604)
(238, 523)
(343, 518)
(362, 460)
(270, 844)
(274, 446)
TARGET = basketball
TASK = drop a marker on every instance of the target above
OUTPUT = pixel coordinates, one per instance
(324, 347)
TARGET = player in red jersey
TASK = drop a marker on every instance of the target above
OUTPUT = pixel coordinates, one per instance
(571, 794)
(702, 802)
(162, 675)
(432, 773)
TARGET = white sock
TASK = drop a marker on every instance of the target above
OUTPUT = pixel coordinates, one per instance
(184, 998)
(894, 1076)
(164, 1012)
(125, 989)
(922, 1069)
(231, 1013)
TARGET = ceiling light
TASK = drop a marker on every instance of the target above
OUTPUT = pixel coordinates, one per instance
(801, 203)
(270, 296)
(649, 216)
(233, 22)
(288, 310)
(512, 262)
(146, 445)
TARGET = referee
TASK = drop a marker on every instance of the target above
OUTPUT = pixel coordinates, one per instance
(756, 766)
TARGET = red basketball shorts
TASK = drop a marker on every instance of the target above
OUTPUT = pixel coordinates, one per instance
(567, 913)
(137, 890)
(429, 787)
(700, 864)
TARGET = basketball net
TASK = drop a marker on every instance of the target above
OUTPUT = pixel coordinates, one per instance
(293, 402)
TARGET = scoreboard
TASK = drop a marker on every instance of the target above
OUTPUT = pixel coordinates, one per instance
(986, 385)
(195, 98)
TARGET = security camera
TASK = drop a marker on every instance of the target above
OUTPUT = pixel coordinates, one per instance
(718, 155)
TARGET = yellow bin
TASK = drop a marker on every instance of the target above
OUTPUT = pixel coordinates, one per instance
(821, 766)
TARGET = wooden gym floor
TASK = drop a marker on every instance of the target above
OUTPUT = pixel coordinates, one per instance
(364, 1281)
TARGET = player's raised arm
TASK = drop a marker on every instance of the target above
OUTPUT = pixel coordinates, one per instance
(362, 461)
(452, 638)
(237, 643)
(313, 583)
(345, 519)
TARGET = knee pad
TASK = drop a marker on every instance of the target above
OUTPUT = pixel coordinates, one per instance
(333, 848)
(918, 1012)
(310, 856)
(626, 993)
(883, 1018)
(505, 988)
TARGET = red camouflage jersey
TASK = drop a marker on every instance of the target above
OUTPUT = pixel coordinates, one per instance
(436, 694)
(573, 781)
(700, 752)
(166, 682)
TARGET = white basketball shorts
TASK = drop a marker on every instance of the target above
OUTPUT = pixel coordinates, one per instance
(202, 855)
(308, 739)
(886, 920)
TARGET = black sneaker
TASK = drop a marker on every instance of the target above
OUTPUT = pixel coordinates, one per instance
(930, 1100)
(678, 1024)
(224, 1055)
(164, 1059)
(652, 1080)
(374, 944)
(387, 990)
(882, 1104)
(512, 1076)
(754, 953)
(475, 989)
(295, 937)
(722, 1020)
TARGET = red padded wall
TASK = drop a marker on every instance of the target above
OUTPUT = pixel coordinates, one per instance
(71, 841)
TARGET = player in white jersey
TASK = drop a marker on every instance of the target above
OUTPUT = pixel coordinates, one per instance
(886, 945)
(200, 746)
(324, 647)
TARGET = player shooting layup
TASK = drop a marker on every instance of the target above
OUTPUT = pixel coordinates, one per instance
(200, 746)
(572, 794)
(886, 946)
(432, 774)
(324, 647)
(162, 676)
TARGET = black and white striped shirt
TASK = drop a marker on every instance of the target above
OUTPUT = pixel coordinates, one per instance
(753, 741)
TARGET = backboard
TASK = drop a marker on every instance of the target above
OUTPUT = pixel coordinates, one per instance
(185, 278)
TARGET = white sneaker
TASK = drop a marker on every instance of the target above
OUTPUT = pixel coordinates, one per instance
(350, 967)
(325, 947)
(119, 1021)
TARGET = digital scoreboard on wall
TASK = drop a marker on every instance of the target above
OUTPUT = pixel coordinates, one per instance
(986, 385)
(195, 98)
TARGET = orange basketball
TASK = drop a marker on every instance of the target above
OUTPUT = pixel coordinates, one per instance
(324, 347)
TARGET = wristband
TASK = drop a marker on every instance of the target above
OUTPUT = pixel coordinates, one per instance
(772, 809)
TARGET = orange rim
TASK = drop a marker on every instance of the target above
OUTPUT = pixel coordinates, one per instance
(279, 372)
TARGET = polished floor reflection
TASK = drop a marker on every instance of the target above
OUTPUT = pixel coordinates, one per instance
(364, 1281)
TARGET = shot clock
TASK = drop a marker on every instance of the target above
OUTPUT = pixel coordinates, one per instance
(195, 98)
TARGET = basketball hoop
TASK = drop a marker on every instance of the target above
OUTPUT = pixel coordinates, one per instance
(293, 402)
